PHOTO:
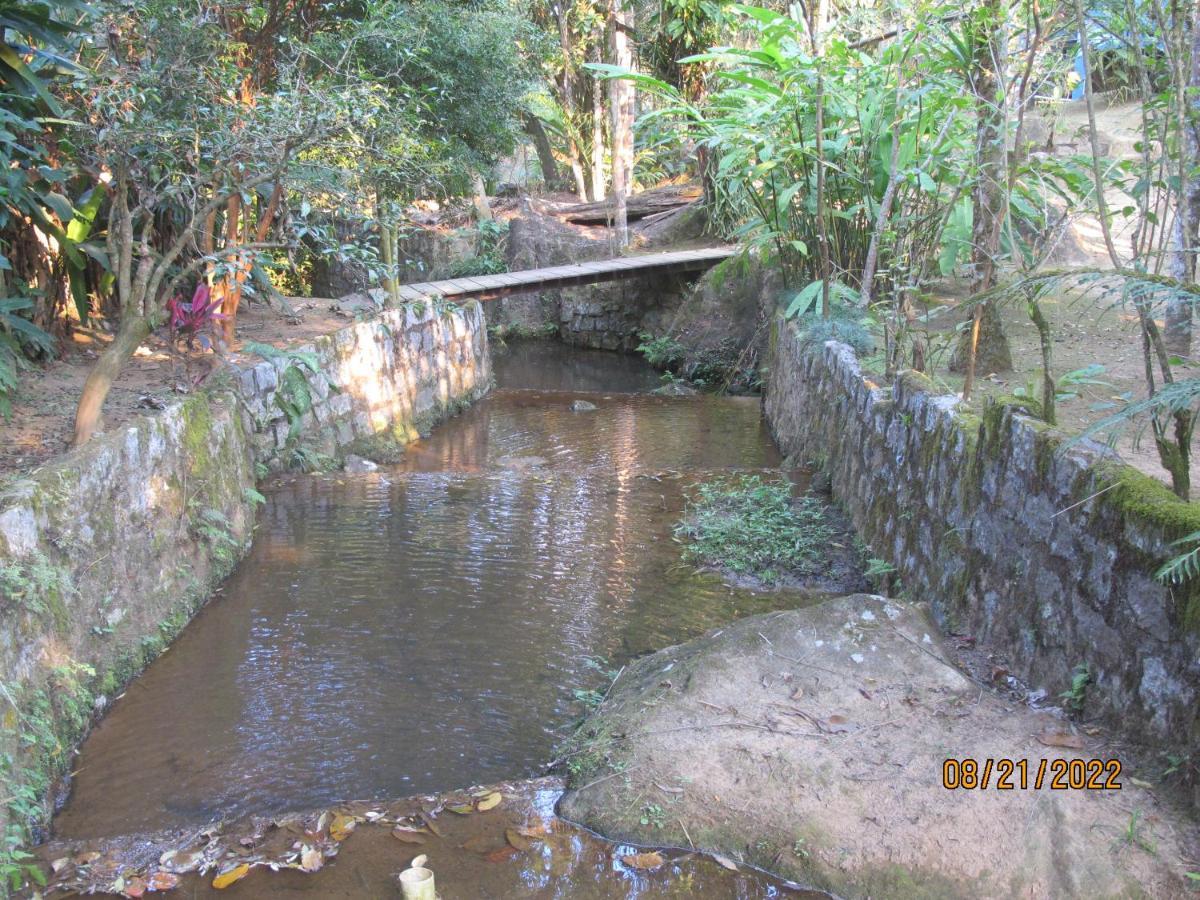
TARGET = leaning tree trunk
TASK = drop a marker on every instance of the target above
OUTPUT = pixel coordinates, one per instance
(134, 329)
(545, 153)
(621, 98)
(983, 346)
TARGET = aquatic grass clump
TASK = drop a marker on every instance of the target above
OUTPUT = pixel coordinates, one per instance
(753, 527)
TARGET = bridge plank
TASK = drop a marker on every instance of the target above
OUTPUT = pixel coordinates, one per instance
(501, 284)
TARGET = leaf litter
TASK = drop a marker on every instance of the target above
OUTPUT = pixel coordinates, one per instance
(225, 854)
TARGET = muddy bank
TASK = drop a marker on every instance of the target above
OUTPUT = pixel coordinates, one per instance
(812, 743)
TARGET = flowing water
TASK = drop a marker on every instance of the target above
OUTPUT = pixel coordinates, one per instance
(427, 626)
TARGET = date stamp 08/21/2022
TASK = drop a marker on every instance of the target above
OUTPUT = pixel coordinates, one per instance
(1003, 774)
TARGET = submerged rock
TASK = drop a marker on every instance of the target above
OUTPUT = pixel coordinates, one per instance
(358, 464)
(582, 406)
(812, 743)
(675, 389)
(520, 463)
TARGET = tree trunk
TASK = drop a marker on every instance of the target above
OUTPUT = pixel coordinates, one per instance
(567, 87)
(816, 23)
(134, 329)
(621, 99)
(479, 199)
(598, 191)
(1181, 260)
(983, 344)
(229, 288)
(545, 153)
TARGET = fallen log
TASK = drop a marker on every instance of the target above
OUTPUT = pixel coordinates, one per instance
(639, 206)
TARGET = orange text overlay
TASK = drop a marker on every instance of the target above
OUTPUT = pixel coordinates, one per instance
(1022, 774)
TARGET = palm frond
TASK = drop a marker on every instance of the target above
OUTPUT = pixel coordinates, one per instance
(1183, 567)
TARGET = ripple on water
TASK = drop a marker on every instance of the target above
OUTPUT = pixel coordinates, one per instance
(426, 626)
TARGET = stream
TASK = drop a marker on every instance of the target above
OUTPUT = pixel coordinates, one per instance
(433, 624)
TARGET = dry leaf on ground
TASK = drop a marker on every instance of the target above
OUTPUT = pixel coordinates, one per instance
(1053, 738)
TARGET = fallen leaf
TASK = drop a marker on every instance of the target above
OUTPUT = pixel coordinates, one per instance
(311, 859)
(59, 864)
(481, 843)
(1137, 782)
(163, 881)
(500, 855)
(430, 823)
(419, 861)
(491, 801)
(341, 827)
(1060, 739)
(87, 858)
(645, 861)
(134, 887)
(835, 724)
(407, 836)
(463, 809)
(726, 862)
(517, 840)
(228, 877)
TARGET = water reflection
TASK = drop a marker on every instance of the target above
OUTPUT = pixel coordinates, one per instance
(426, 626)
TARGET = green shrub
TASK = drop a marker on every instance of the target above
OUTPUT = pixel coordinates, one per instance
(661, 352)
(815, 329)
(490, 239)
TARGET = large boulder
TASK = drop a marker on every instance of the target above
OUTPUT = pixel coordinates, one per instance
(812, 743)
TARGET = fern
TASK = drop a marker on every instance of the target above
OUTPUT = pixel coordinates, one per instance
(1170, 398)
(1183, 567)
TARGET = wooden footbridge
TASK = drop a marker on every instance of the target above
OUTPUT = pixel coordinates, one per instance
(489, 287)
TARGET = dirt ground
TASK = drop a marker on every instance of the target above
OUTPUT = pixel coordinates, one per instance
(813, 743)
(1086, 331)
(43, 415)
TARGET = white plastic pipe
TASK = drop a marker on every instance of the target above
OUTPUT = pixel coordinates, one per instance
(417, 884)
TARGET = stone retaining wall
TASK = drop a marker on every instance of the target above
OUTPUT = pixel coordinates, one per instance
(1042, 551)
(107, 551)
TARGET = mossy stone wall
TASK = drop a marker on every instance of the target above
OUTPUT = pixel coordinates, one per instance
(396, 374)
(108, 551)
(1042, 551)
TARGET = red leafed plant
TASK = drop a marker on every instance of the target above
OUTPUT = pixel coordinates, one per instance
(191, 319)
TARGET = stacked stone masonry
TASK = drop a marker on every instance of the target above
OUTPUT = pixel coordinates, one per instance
(1041, 549)
(107, 551)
